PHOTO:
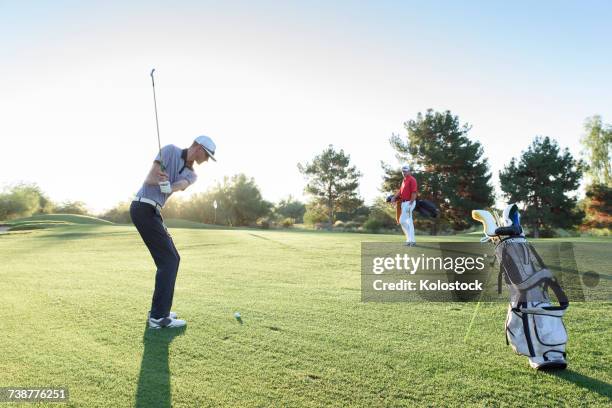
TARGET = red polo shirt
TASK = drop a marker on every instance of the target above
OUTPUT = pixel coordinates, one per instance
(409, 186)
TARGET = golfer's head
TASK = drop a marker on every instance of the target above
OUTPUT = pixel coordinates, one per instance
(204, 149)
(405, 170)
(200, 154)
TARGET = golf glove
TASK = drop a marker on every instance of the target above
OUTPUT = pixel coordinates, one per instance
(165, 187)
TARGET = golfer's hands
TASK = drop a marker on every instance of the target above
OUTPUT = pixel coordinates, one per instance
(156, 175)
(162, 176)
(165, 186)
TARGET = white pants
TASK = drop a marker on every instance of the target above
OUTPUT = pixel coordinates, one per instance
(406, 220)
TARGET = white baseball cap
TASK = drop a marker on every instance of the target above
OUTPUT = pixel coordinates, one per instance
(405, 168)
(208, 145)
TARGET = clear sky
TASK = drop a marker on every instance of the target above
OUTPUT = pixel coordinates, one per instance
(273, 83)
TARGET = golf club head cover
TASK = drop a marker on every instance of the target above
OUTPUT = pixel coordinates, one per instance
(487, 220)
(512, 222)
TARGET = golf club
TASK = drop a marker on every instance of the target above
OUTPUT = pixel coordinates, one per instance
(163, 168)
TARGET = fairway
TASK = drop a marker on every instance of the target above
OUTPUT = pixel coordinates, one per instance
(75, 299)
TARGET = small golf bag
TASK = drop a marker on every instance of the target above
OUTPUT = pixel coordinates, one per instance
(534, 326)
(424, 207)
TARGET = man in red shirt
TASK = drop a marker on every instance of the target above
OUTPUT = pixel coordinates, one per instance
(406, 198)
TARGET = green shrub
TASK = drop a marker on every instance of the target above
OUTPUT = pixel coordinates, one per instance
(598, 232)
(23, 200)
(119, 214)
(372, 225)
(322, 225)
(315, 214)
(72, 207)
(360, 219)
(565, 233)
(287, 222)
(291, 208)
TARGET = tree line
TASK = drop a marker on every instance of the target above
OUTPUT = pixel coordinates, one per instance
(450, 168)
(453, 173)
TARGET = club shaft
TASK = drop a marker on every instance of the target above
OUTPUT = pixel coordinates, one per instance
(156, 119)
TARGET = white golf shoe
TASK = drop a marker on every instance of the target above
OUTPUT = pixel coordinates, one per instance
(166, 322)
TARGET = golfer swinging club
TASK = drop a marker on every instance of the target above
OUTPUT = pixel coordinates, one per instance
(172, 171)
(407, 198)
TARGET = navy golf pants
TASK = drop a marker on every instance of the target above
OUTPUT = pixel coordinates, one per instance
(150, 225)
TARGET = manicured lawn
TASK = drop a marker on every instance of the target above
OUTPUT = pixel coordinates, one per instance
(74, 302)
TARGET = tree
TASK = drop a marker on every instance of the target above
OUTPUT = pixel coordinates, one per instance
(291, 208)
(332, 182)
(597, 143)
(245, 200)
(72, 207)
(119, 214)
(449, 168)
(541, 180)
(315, 213)
(239, 203)
(598, 206)
(23, 200)
(173, 208)
(381, 215)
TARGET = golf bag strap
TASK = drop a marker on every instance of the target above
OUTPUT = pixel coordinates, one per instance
(537, 279)
(539, 311)
(559, 293)
(526, 331)
(509, 237)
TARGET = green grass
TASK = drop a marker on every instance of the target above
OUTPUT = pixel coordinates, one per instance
(39, 221)
(178, 223)
(74, 301)
(31, 225)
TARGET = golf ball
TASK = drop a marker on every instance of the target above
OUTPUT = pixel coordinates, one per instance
(237, 315)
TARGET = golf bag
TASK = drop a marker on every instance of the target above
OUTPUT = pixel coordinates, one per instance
(425, 208)
(534, 326)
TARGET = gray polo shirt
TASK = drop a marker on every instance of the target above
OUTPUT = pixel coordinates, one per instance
(173, 158)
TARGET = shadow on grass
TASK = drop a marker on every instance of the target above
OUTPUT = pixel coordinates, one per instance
(90, 233)
(154, 380)
(591, 384)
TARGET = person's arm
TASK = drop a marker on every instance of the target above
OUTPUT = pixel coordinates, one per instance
(156, 175)
(180, 185)
(398, 196)
(413, 188)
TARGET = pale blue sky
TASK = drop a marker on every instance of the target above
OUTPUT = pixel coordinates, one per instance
(274, 82)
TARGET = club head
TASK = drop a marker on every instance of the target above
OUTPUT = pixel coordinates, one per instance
(152, 71)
